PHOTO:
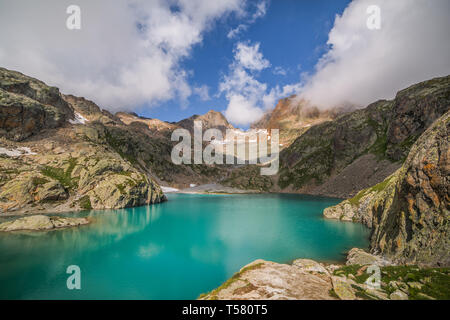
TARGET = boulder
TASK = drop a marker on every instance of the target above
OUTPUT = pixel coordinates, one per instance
(361, 257)
(343, 288)
(41, 222)
(262, 279)
(398, 295)
(309, 265)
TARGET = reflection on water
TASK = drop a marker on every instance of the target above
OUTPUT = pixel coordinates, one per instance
(172, 250)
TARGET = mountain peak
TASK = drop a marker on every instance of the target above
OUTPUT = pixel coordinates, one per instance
(211, 120)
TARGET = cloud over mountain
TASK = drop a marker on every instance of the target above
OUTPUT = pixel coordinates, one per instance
(247, 97)
(364, 65)
(126, 53)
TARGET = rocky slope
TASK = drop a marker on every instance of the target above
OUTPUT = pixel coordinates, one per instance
(307, 279)
(409, 211)
(156, 126)
(57, 153)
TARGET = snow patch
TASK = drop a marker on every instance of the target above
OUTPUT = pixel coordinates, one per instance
(169, 189)
(79, 119)
(21, 151)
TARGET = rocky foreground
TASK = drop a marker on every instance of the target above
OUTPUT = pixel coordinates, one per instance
(40, 222)
(410, 239)
(307, 279)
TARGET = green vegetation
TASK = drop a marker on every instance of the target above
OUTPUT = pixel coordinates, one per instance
(37, 181)
(226, 284)
(85, 203)
(117, 144)
(333, 294)
(379, 148)
(376, 188)
(64, 177)
(248, 178)
(121, 188)
(419, 283)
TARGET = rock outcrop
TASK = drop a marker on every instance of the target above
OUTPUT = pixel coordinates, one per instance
(40, 222)
(28, 105)
(73, 160)
(409, 211)
(210, 120)
(268, 280)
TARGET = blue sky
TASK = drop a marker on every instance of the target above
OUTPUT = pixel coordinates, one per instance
(187, 56)
(292, 36)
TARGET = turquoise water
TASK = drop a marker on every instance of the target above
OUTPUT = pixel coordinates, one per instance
(174, 250)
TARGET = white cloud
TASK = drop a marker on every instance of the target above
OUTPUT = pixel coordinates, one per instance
(279, 71)
(260, 11)
(249, 57)
(202, 92)
(248, 98)
(364, 65)
(234, 32)
(127, 52)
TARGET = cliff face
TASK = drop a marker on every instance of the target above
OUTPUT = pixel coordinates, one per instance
(409, 211)
(28, 105)
(415, 226)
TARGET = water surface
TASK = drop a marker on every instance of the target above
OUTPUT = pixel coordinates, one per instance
(174, 250)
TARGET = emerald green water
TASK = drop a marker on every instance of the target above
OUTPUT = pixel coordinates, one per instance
(174, 250)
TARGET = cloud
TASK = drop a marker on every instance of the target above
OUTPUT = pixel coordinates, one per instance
(127, 53)
(202, 92)
(279, 71)
(364, 65)
(260, 11)
(249, 57)
(234, 32)
(248, 98)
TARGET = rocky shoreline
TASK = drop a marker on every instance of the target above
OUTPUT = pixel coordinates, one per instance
(215, 188)
(41, 223)
(307, 279)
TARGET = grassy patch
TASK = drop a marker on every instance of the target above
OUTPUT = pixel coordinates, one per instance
(333, 294)
(38, 181)
(85, 203)
(117, 144)
(121, 188)
(376, 188)
(434, 282)
(213, 294)
(64, 177)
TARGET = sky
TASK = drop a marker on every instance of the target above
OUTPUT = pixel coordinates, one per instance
(175, 58)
